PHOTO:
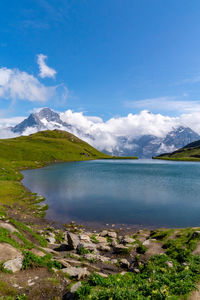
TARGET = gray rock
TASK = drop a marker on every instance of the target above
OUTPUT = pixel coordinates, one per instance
(9, 227)
(102, 274)
(79, 273)
(146, 243)
(64, 263)
(101, 239)
(169, 264)
(51, 238)
(123, 273)
(124, 263)
(38, 252)
(103, 247)
(88, 246)
(112, 234)
(75, 287)
(114, 261)
(14, 265)
(8, 252)
(101, 258)
(85, 238)
(128, 240)
(136, 270)
(120, 248)
(90, 256)
(104, 233)
(72, 241)
(114, 242)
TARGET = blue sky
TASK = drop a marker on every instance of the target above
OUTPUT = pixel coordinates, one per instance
(111, 57)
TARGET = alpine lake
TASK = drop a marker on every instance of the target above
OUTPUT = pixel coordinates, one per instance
(144, 192)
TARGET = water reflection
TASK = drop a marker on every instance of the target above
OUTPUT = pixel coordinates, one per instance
(146, 192)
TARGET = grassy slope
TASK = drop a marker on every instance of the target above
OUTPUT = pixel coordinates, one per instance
(47, 146)
(191, 152)
(34, 151)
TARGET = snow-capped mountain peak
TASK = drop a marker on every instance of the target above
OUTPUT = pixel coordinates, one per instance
(44, 119)
(49, 115)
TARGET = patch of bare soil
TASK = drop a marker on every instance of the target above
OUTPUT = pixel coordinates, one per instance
(37, 284)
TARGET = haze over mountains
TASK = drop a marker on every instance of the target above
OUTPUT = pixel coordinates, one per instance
(117, 143)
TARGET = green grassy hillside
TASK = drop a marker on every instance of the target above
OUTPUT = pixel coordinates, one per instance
(48, 146)
(191, 152)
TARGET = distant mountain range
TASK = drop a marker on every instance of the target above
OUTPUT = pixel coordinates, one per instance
(144, 146)
(147, 146)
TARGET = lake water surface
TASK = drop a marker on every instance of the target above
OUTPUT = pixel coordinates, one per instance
(138, 192)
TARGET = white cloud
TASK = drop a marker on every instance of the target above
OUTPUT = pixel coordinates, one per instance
(7, 122)
(16, 84)
(167, 104)
(45, 71)
(106, 135)
(6, 133)
(19, 85)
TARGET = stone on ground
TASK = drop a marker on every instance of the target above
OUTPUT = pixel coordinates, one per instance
(9, 227)
(14, 265)
(38, 252)
(8, 252)
(72, 240)
(124, 263)
(79, 273)
(120, 248)
(75, 287)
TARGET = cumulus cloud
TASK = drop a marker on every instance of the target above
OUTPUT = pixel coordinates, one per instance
(16, 84)
(106, 135)
(110, 134)
(45, 71)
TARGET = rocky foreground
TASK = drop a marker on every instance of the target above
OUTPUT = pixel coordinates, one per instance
(73, 263)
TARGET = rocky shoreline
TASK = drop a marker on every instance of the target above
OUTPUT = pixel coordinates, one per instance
(68, 257)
